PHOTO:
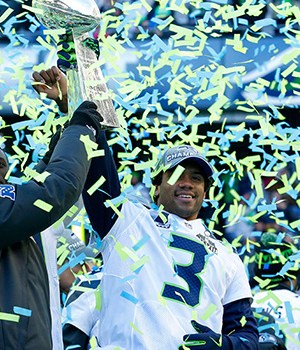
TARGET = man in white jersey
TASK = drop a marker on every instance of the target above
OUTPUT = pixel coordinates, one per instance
(166, 279)
(167, 282)
(277, 267)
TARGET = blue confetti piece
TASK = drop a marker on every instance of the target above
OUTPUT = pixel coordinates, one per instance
(147, 179)
(277, 75)
(268, 207)
(207, 16)
(266, 327)
(122, 25)
(116, 200)
(15, 180)
(141, 242)
(266, 22)
(295, 257)
(285, 268)
(22, 311)
(129, 297)
(157, 40)
(158, 21)
(128, 278)
(119, 6)
(250, 201)
(63, 268)
(272, 163)
(38, 149)
(77, 260)
(154, 97)
(126, 105)
(242, 21)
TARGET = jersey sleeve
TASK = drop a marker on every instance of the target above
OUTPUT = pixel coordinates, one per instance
(239, 326)
(239, 287)
(81, 309)
(102, 218)
(74, 338)
(33, 206)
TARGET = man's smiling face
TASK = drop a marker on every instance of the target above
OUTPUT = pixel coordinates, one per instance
(186, 196)
(3, 167)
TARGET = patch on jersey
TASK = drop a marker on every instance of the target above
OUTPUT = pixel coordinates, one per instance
(205, 239)
(8, 191)
(159, 221)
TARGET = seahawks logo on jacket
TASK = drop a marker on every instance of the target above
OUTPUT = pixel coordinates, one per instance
(8, 191)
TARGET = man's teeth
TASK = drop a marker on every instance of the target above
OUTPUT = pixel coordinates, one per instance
(185, 196)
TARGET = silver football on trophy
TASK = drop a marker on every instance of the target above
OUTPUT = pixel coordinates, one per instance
(79, 15)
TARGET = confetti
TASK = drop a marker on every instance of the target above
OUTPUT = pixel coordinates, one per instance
(225, 80)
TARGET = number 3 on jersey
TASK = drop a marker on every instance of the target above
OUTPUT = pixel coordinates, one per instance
(190, 273)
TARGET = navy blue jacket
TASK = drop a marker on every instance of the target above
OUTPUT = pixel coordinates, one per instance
(24, 296)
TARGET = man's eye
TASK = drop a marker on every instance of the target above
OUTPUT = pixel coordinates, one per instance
(198, 178)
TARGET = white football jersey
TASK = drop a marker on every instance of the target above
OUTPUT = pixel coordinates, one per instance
(159, 274)
(82, 305)
(284, 306)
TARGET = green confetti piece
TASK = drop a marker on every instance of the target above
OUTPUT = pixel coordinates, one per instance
(139, 263)
(121, 252)
(96, 185)
(136, 329)
(243, 321)
(43, 205)
(6, 14)
(176, 175)
(82, 289)
(115, 209)
(63, 256)
(209, 311)
(98, 299)
(93, 342)
(9, 317)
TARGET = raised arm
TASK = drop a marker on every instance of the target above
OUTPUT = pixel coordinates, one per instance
(32, 207)
(102, 218)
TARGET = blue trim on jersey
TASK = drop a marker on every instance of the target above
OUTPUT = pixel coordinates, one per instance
(91, 284)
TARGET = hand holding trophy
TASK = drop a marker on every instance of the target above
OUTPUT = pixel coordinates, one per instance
(85, 81)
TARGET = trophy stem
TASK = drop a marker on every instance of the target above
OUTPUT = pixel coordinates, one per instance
(88, 83)
(75, 96)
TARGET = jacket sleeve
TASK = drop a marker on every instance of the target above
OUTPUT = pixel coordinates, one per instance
(73, 337)
(239, 326)
(102, 218)
(21, 214)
